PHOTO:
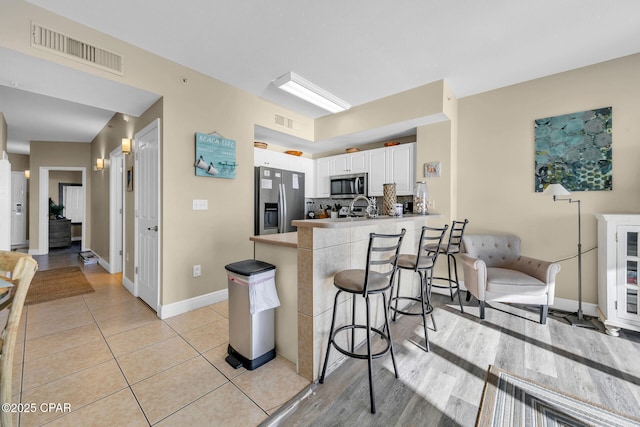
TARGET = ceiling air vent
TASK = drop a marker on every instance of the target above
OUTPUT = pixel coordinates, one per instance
(54, 41)
(284, 121)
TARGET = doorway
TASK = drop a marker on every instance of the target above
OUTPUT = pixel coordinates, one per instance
(43, 209)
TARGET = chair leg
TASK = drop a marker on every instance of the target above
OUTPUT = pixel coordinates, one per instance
(370, 358)
(353, 322)
(481, 309)
(455, 272)
(330, 341)
(449, 273)
(424, 310)
(544, 309)
(395, 311)
(386, 322)
(428, 288)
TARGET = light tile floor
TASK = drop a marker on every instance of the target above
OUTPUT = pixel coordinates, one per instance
(109, 357)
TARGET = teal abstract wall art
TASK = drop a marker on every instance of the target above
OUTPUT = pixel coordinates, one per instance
(574, 150)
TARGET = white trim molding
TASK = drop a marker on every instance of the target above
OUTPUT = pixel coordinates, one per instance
(184, 306)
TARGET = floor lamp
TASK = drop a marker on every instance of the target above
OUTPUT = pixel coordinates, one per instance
(575, 319)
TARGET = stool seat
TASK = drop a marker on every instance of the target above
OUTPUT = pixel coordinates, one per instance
(354, 281)
(382, 254)
(408, 262)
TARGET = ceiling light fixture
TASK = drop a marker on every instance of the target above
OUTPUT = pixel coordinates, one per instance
(304, 89)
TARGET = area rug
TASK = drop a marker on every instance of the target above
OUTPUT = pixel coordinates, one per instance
(508, 400)
(49, 285)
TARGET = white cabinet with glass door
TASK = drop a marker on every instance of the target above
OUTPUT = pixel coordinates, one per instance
(618, 263)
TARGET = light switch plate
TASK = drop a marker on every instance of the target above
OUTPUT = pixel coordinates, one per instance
(200, 205)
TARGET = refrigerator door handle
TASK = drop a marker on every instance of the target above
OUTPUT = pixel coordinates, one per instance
(285, 215)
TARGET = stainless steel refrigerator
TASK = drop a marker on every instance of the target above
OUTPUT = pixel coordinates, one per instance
(279, 199)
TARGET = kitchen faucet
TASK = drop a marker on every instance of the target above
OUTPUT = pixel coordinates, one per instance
(371, 208)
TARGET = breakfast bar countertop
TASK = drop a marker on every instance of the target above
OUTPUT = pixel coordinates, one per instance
(283, 239)
(357, 221)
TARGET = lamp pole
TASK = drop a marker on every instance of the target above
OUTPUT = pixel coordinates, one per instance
(578, 319)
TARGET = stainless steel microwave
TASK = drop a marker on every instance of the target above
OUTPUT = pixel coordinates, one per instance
(348, 186)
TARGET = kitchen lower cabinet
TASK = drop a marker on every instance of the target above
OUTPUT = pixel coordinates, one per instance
(618, 264)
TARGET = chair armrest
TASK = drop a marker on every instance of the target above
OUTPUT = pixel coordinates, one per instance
(545, 271)
(475, 275)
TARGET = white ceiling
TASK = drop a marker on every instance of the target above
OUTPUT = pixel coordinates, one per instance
(362, 50)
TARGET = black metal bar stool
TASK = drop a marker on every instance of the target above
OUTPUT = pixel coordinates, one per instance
(422, 263)
(375, 279)
(453, 247)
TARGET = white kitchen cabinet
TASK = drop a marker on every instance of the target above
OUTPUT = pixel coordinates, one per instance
(271, 159)
(392, 165)
(275, 159)
(322, 173)
(618, 263)
(344, 164)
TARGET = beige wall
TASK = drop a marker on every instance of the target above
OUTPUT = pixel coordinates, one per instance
(19, 162)
(496, 164)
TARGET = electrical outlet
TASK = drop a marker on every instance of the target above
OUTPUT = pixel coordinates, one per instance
(197, 270)
(200, 205)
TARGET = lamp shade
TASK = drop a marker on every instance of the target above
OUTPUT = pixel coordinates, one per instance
(126, 145)
(27, 174)
(99, 164)
(556, 190)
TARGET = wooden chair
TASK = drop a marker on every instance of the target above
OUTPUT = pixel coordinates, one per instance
(18, 269)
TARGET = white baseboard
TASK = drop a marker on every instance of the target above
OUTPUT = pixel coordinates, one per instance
(104, 264)
(129, 285)
(184, 306)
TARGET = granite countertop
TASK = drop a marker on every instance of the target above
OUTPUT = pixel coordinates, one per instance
(283, 239)
(358, 221)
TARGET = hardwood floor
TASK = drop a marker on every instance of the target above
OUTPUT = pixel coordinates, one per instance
(444, 387)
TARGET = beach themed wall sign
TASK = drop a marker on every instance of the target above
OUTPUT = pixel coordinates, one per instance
(215, 156)
(574, 150)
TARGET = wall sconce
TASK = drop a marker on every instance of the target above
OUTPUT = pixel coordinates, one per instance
(27, 174)
(126, 145)
(99, 164)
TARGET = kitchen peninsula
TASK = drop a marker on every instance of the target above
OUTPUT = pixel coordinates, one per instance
(306, 262)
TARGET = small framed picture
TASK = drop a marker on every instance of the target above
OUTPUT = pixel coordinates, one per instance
(130, 178)
(432, 169)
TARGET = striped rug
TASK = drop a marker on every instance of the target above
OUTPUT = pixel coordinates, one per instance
(508, 400)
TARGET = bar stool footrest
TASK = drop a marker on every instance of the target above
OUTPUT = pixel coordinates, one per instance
(428, 307)
(376, 331)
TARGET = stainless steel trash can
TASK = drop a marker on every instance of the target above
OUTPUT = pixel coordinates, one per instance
(251, 326)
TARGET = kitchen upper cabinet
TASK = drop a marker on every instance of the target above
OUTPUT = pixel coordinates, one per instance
(275, 159)
(350, 163)
(271, 159)
(392, 165)
(323, 168)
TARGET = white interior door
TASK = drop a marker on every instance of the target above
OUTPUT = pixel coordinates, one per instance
(18, 208)
(147, 189)
(116, 232)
